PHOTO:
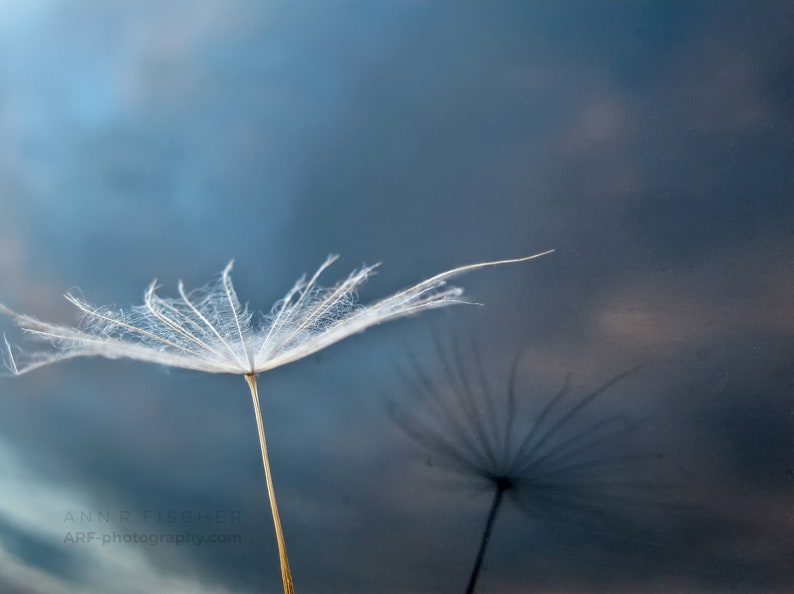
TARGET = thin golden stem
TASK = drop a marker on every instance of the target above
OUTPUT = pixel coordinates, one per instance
(286, 577)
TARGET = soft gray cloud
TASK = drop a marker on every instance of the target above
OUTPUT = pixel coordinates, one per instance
(650, 144)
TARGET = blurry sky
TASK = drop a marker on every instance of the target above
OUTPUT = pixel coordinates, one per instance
(650, 143)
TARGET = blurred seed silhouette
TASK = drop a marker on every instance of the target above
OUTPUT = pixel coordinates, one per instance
(562, 464)
(209, 330)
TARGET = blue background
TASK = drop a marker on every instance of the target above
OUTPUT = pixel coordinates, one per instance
(650, 143)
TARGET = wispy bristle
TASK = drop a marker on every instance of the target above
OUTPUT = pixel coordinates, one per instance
(208, 329)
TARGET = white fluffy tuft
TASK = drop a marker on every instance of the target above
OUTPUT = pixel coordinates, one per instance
(207, 329)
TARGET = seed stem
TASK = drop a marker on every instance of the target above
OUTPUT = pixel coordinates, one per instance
(475, 572)
(286, 577)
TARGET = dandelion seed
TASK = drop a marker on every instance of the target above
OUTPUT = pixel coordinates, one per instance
(559, 465)
(209, 330)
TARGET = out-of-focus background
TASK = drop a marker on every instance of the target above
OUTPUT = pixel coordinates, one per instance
(650, 143)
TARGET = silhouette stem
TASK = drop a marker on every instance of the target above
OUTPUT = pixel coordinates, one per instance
(475, 572)
(286, 576)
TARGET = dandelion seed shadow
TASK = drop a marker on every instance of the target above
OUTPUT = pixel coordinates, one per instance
(563, 465)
